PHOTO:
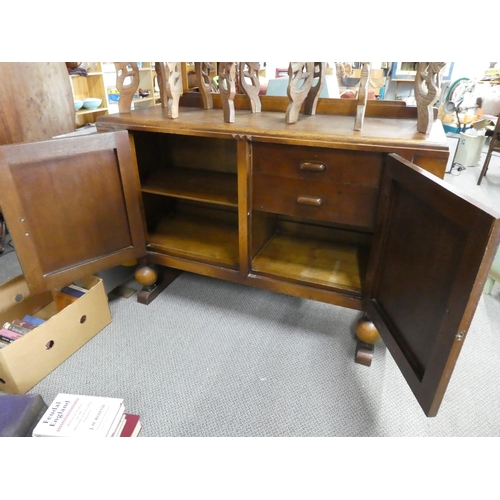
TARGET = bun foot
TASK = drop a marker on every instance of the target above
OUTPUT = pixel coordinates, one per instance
(153, 282)
(146, 276)
(368, 336)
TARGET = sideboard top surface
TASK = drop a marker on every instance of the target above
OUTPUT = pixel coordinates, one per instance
(333, 131)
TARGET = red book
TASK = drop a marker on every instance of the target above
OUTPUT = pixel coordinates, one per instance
(132, 426)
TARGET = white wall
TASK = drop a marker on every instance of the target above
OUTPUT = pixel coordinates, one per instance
(470, 69)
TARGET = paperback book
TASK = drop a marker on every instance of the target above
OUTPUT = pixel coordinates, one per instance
(33, 320)
(72, 415)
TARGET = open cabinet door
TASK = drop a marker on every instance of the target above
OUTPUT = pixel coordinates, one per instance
(72, 206)
(432, 251)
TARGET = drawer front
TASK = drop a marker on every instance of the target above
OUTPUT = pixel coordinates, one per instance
(332, 201)
(321, 164)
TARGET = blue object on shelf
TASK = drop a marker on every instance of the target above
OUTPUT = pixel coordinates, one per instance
(452, 129)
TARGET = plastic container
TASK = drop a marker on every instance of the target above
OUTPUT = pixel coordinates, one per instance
(469, 149)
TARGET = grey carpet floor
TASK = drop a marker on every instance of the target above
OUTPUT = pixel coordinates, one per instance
(210, 358)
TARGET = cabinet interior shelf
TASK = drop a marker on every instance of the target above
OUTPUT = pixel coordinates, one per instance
(194, 184)
(202, 237)
(312, 261)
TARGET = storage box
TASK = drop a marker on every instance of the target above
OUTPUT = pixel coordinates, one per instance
(26, 361)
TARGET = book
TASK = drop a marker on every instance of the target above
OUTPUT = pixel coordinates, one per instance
(16, 328)
(33, 320)
(24, 324)
(80, 288)
(9, 335)
(132, 426)
(19, 414)
(74, 415)
(117, 422)
(5, 340)
(72, 291)
(119, 428)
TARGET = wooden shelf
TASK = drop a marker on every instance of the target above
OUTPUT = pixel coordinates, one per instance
(311, 261)
(94, 73)
(206, 239)
(90, 86)
(83, 111)
(142, 99)
(194, 184)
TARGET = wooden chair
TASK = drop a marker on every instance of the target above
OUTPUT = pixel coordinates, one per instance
(494, 146)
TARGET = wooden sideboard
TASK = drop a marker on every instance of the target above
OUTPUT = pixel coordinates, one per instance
(359, 219)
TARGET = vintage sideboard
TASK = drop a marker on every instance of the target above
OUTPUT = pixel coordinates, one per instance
(359, 219)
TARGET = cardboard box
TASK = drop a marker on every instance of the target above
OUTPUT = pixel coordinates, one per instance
(377, 78)
(26, 361)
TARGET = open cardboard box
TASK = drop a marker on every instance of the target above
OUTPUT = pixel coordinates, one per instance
(29, 359)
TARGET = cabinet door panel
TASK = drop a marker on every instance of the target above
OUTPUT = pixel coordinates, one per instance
(72, 206)
(432, 251)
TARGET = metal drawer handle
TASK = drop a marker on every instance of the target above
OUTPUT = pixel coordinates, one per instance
(312, 167)
(309, 200)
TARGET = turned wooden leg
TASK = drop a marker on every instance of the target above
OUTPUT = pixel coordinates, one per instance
(153, 281)
(368, 336)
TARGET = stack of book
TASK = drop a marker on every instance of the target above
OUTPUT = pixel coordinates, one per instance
(15, 329)
(73, 415)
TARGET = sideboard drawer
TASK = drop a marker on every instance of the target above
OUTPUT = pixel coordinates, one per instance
(332, 201)
(321, 164)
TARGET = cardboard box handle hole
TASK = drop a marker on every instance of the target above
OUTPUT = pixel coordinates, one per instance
(49, 344)
(83, 319)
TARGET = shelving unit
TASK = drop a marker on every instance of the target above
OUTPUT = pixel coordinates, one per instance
(189, 81)
(91, 85)
(147, 75)
(147, 81)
